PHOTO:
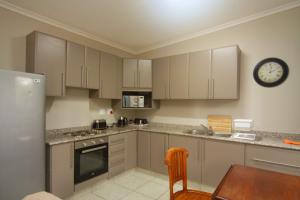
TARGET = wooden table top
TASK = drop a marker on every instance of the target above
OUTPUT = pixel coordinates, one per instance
(248, 183)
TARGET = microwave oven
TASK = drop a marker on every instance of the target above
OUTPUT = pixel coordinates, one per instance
(133, 101)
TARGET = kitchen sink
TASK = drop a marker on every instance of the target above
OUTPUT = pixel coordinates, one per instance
(196, 132)
(244, 136)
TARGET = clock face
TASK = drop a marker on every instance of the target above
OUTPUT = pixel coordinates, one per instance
(270, 72)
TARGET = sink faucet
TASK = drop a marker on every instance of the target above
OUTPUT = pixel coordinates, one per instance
(209, 130)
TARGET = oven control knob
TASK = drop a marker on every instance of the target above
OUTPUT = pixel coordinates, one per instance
(93, 142)
(101, 140)
(84, 144)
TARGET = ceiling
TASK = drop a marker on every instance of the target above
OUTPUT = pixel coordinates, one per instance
(141, 25)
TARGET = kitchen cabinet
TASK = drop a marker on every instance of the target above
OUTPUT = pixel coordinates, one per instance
(158, 149)
(225, 73)
(75, 72)
(61, 169)
(199, 74)
(116, 154)
(131, 150)
(179, 76)
(161, 79)
(144, 149)
(274, 159)
(46, 55)
(110, 77)
(92, 68)
(218, 156)
(83, 66)
(194, 161)
(137, 74)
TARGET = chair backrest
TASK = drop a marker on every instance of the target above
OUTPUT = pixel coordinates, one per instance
(176, 162)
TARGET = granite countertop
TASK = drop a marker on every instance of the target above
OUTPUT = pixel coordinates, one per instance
(269, 139)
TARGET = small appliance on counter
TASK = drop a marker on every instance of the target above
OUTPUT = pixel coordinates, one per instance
(140, 121)
(245, 125)
(122, 121)
(99, 124)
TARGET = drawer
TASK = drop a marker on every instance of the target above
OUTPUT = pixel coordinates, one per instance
(274, 159)
(116, 148)
(116, 160)
(116, 139)
(113, 171)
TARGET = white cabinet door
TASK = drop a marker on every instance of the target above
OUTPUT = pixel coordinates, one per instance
(145, 74)
(160, 77)
(130, 73)
(199, 74)
(225, 73)
(179, 77)
(218, 157)
(62, 169)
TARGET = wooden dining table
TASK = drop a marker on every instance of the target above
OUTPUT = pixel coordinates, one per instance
(249, 183)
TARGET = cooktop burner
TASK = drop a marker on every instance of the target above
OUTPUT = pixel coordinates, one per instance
(86, 133)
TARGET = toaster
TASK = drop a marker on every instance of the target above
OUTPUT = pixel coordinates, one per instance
(99, 124)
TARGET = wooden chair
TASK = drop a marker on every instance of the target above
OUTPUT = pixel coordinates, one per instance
(176, 162)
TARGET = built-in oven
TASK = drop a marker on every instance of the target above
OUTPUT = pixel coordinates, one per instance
(91, 158)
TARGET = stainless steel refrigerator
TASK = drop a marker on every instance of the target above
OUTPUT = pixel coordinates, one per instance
(22, 134)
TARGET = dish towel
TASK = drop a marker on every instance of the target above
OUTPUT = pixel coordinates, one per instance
(287, 141)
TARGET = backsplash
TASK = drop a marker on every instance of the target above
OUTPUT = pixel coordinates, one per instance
(77, 109)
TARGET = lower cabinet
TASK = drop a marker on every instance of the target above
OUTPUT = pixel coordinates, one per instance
(218, 156)
(275, 159)
(194, 146)
(158, 149)
(122, 152)
(144, 149)
(131, 150)
(61, 169)
(116, 154)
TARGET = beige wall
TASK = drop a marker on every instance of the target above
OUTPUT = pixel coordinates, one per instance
(76, 109)
(273, 109)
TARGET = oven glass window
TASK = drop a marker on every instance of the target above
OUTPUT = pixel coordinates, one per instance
(92, 161)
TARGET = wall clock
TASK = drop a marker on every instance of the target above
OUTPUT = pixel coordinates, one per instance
(271, 72)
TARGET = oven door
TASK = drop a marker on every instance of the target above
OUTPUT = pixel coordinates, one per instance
(90, 162)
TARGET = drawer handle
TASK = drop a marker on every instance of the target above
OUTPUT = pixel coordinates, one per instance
(275, 163)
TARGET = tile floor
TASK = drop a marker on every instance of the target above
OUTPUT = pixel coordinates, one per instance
(135, 184)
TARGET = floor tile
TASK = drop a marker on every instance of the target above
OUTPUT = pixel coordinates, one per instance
(152, 189)
(136, 196)
(110, 191)
(130, 181)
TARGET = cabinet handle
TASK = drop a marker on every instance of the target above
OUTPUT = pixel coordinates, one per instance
(165, 91)
(275, 163)
(208, 93)
(86, 77)
(101, 86)
(71, 156)
(62, 84)
(134, 79)
(138, 79)
(82, 68)
(198, 150)
(213, 88)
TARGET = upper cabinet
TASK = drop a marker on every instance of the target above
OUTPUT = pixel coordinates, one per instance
(137, 74)
(179, 76)
(225, 73)
(210, 74)
(199, 74)
(83, 66)
(75, 73)
(47, 55)
(161, 80)
(145, 74)
(110, 76)
(92, 68)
